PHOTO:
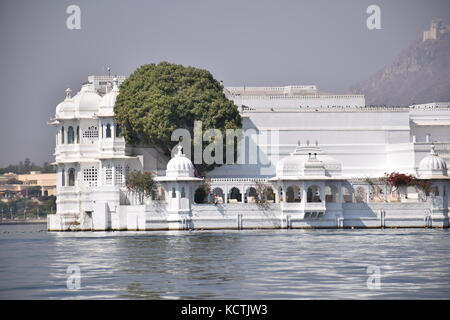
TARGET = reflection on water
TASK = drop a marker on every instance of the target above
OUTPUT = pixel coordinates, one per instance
(274, 264)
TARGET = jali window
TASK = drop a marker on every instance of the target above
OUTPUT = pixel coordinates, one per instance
(91, 132)
(90, 176)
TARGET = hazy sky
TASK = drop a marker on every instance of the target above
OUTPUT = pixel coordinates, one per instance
(241, 42)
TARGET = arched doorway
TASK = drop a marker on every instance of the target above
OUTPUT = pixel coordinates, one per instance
(331, 194)
(251, 195)
(346, 195)
(293, 194)
(270, 195)
(218, 195)
(199, 195)
(235, 195)
(313, 194)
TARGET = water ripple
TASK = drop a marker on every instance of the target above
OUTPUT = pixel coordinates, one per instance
(271, 264)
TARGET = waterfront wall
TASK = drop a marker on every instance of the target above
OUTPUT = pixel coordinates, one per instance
(155, 216)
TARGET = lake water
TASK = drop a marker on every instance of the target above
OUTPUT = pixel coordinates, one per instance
(272, 264)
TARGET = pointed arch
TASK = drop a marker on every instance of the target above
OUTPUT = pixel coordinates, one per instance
(313, 194)
(331, 193)
(70, 135)
(235, 194)
(108, 130)
(71, 177)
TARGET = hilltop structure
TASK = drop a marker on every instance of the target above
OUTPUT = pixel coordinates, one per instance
(437, 30)
(418, 75)
(322, 166)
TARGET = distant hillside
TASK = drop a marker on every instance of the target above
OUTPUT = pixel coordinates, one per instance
(420, 74)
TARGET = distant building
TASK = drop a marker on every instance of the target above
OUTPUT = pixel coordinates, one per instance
(47, 182)
(13, 185)
(436, 31)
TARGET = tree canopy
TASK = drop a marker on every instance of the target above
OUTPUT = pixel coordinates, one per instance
(26, 166)
(159, 98)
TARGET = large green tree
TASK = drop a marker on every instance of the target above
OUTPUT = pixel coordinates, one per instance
(159, 98)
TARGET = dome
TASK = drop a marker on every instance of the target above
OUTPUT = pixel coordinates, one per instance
(180, 165)
(291, 165)
(108, 101)
(307, 161)
(313, 167)
(432, 165)
(87, 100)
(66, 109)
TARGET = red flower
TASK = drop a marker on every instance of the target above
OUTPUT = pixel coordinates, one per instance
(399, 179)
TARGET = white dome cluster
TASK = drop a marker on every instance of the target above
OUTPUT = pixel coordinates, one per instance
(86, 103)
(180, 165)
(433, 165)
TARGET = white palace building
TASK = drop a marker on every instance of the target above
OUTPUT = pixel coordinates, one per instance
(323, 169)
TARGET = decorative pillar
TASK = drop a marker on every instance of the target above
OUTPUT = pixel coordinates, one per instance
(277, 194)
(305, 193)
(225, 195)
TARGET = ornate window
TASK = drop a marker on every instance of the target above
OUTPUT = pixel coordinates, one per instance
(119, 175)
(78, 134)
(70, 135)
(62, 135)
(108, 175)
(108, 130)
(174, 195)
(183, 193)
(90, 176)
(63, 177)
(71, 177)
(91, 132)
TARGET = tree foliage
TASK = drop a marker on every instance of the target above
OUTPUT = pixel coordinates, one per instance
(159, 98)
(142, 183)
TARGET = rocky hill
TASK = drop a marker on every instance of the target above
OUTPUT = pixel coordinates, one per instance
(420, 74)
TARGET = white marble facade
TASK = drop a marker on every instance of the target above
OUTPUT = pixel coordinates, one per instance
(321, 165)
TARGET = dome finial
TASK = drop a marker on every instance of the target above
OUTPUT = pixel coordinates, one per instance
(180, 150)
(68, 93)
(433, 151)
